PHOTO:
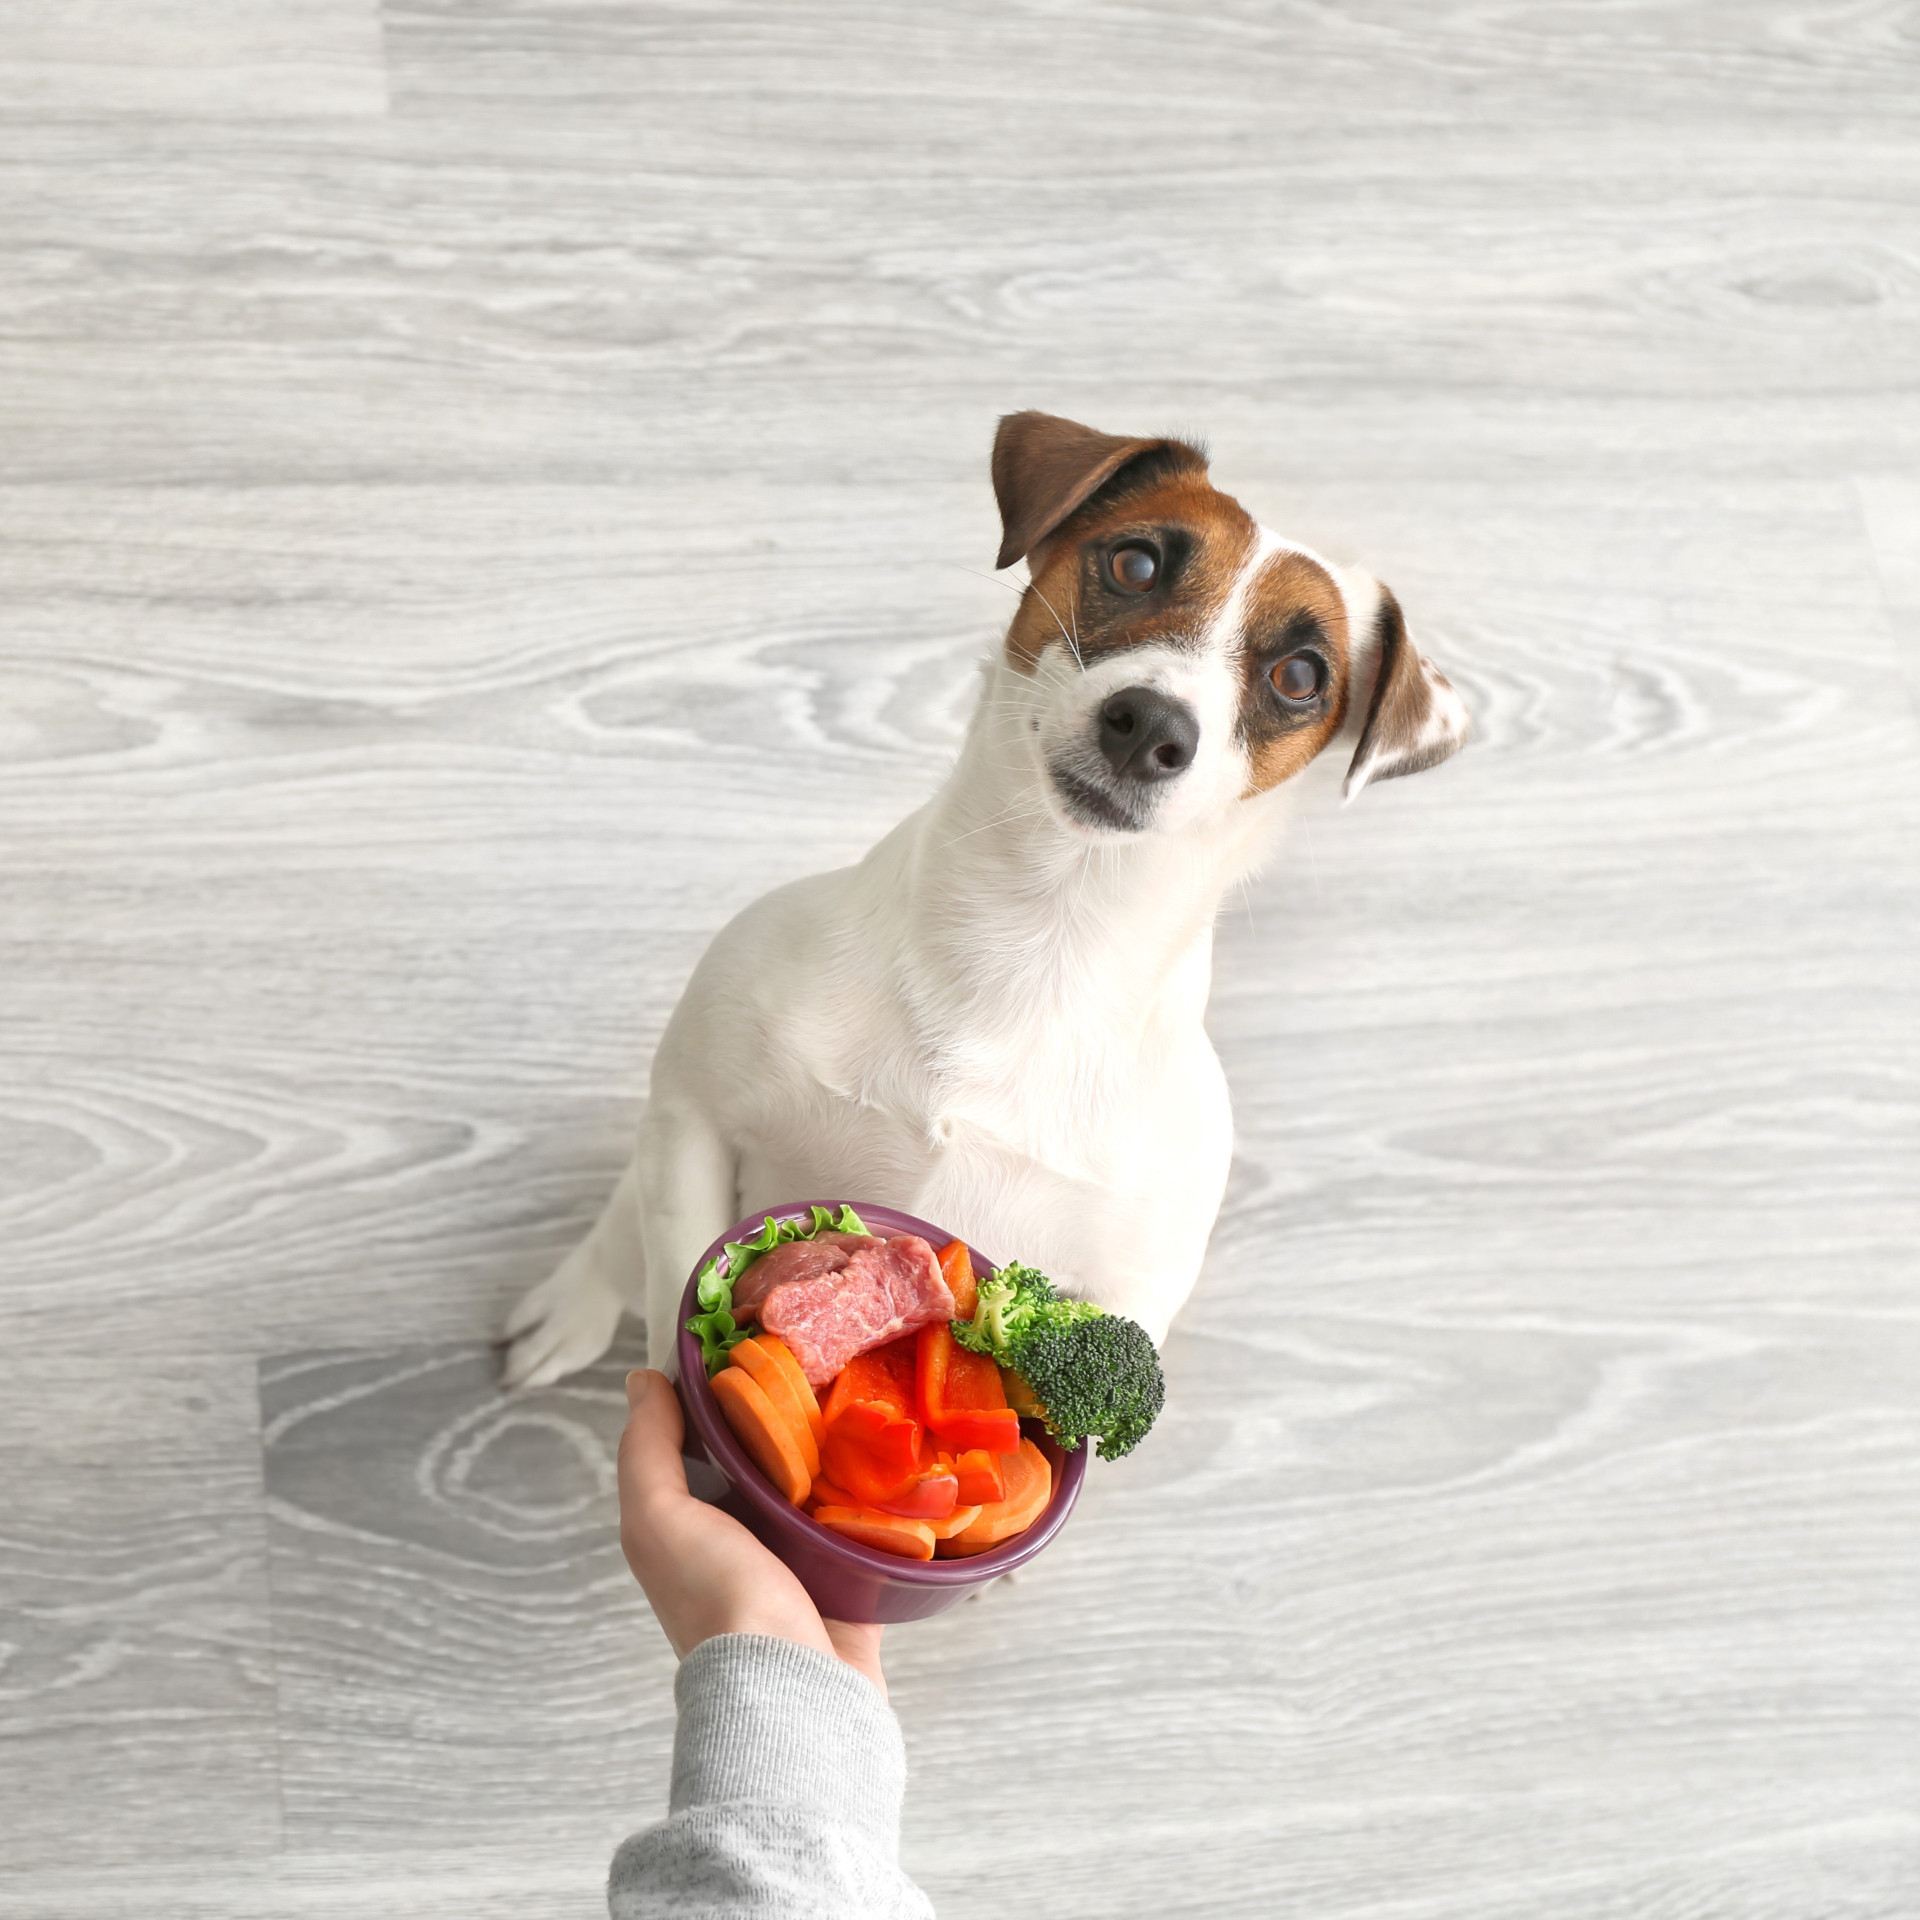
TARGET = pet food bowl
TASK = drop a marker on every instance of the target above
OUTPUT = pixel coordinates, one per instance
(848, 1581)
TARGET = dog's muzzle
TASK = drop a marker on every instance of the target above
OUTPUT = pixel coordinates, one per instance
(1145, 738)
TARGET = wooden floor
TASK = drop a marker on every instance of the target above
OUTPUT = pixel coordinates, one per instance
(488, 486)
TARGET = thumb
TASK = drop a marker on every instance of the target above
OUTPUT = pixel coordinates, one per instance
(649, 1458)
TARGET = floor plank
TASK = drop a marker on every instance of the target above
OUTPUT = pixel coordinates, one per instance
(262, 59)
(451, 1609)
(1891, 503)
(137, 1686)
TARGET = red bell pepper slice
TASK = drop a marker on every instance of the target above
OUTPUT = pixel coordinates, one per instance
(981, 1478)
(883, 1377)
(991, 1432)
(932, 1496)
(872, 1441)
(875, 1470)
(933, 1353)
(862, 1420)
(960, 1395)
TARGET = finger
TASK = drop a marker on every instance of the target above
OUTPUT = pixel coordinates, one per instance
(659, 1518)
(649, 1459)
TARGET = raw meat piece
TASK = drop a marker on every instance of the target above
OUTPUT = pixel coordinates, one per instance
(794, 1260)
(887, 1288)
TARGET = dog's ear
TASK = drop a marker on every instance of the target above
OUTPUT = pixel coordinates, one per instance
(1415, 719)
(1045, 467)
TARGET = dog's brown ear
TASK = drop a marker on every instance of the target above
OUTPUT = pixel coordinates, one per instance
(1415, 719)
(1045, 467)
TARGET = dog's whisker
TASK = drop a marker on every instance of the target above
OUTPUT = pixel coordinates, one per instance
(1022, 803)
(1072, 639)
(978, 575)
(1005, 818)
(1083, 874)
(1008, 821)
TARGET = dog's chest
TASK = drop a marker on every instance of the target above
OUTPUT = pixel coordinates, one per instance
(1052, 1086)
(1104, 1163)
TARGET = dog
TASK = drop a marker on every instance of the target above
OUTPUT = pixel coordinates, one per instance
(995, 1020)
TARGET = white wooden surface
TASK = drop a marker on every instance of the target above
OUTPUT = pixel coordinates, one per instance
(487, 489)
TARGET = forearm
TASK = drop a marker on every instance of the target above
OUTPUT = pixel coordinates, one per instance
(788, 1771)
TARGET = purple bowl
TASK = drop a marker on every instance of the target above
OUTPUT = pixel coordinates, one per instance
(847, 1581)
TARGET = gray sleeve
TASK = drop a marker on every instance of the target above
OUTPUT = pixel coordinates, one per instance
(788, 1770)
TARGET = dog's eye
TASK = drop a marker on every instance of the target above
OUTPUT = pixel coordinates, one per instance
(1135, 568)
(1297, 677)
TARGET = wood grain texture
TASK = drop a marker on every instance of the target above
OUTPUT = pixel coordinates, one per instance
(137, 1688)
(252, 59)
(1891, 503)
(445, 1570)
(482, 503)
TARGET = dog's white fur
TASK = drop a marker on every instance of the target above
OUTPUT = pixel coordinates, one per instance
(995, 1020)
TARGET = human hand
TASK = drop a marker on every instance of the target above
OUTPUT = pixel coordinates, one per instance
(702, 1571)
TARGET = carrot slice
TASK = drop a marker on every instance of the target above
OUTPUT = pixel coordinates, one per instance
(825, 1494)
(958, 1521)
(754, 1359)
(781, 1355)
(765, 1433)
(911, 1539)
(956, 1269)
(1029, 1488)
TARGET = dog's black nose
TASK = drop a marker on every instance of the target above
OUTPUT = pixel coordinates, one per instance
(1147, 735)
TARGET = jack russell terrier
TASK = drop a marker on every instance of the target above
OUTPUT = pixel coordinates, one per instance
(996, 1020)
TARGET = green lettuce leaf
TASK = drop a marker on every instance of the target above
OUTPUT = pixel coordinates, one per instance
(713, 1326)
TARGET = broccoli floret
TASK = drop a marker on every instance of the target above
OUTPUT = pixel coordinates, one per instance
(1012, 1301)
(1094, 1374)
(1098, 1377)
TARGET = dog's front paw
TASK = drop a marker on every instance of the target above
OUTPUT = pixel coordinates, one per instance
(565, 1323)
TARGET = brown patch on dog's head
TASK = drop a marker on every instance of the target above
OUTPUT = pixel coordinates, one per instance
(1414, 719)
(1088, 510)
(1294, 625)
(1045, 467)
